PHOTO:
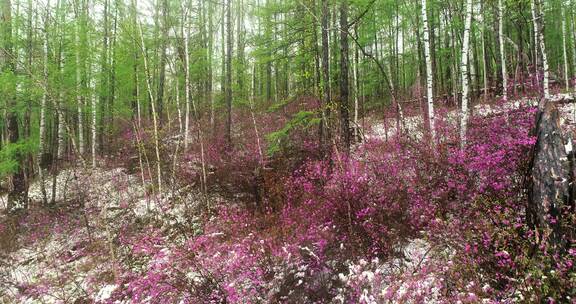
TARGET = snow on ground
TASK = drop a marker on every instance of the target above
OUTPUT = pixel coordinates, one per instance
(413, 125)
(112, 191)
(117, 198)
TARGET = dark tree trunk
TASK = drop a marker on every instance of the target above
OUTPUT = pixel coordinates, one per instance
(344, 93)
(549, 184)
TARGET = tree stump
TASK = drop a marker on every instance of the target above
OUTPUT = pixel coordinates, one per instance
(550, 176)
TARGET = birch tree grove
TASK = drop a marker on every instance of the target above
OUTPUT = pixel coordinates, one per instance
(92, 60)
(262, 151)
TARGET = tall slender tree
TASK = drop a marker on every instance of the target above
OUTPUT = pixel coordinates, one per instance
(538, 20)
(502, 49)
(324, 126)
(464, 72)
(429, 72)
(344, 85)
(564, 48)
(229, 46)
(162, 67)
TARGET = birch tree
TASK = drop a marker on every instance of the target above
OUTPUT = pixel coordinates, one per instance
(154, 114)
(162, 67)
(43, 105)
(564, 48)
(325, 72)
(59, 108)
(502, 49)
(538, 20)
(79, 89)
(229, 46)
(429, 72)
(186, 34)
(464, 73)
(94, 129)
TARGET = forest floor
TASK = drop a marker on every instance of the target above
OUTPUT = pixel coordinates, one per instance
(110, 240)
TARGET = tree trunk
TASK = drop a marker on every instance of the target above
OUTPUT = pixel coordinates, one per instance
(94, 129)
(564, 50)
(186, 35)
(61, 118)
(42, 132)
(79, 89)
(356, 79)
(344, 89)
(539, 24)
(536, 41)
(484, 65)
(324, 127)
(136, 108)
(550, 180)
(464, 73)
(230, 44)
(429, 72)
(502, 49)
(240, 46)
(162, 76)
(210, 51)
(154, 113)
(104, 81)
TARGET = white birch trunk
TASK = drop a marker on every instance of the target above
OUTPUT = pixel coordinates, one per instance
(536, 42)
(538, 15)
(61, 129)
(138, 108)
(464, 73)
(180, 124)
(573, 31)
(502, 49)
(564, 50)
(154, 114)
(94, 128)
(356, 94)
(79, 92)
(484, 65)
(253, 97)
(429, 72)
(42, 131)
(187, 86)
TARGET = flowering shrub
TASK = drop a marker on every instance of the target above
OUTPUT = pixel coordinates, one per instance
(400, 220)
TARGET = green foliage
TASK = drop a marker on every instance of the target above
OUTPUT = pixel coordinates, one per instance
(11, 153)
(279, 105)
(277, 140)
(7, 84)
